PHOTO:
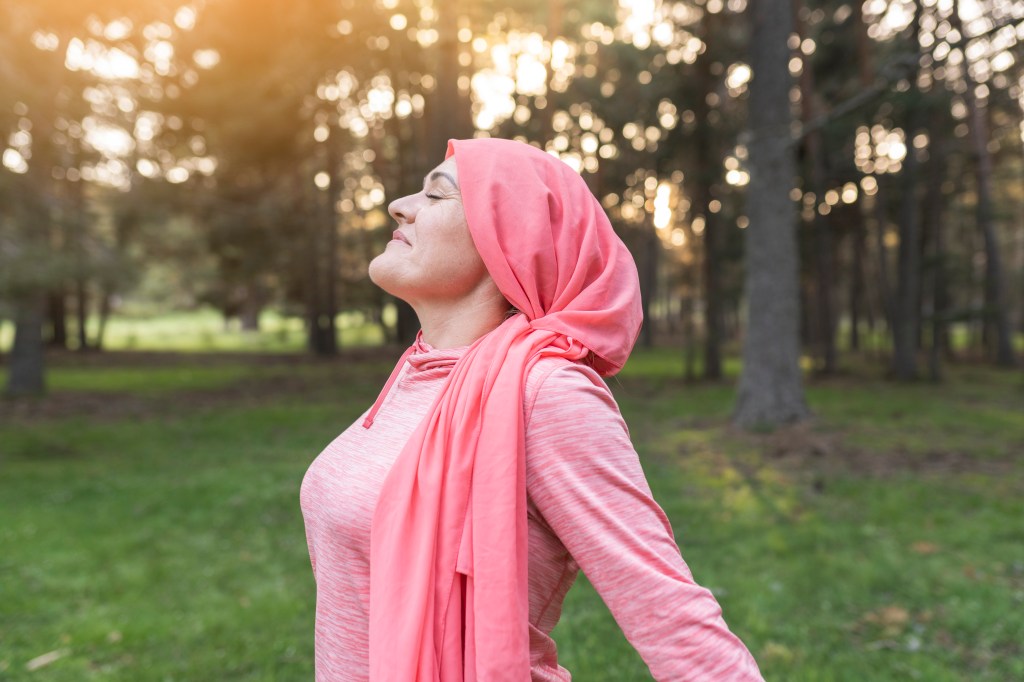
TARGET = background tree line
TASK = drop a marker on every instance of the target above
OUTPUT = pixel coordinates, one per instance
(806, 177)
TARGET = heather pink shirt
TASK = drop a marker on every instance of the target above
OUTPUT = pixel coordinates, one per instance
(589, 508)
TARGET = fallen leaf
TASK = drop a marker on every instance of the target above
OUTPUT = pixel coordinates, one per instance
(892, 619)
(778, 652)
(924, 547)
(46, 659)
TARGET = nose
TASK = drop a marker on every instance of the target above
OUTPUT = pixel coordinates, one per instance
(403, 210)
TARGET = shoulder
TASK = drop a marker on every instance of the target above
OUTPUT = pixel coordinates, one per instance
(561, 387)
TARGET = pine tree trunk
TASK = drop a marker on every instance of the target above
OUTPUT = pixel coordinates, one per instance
(770, 388)
(883, 292)
(56, 311)
(650, 246)
(997, 309)
(708, 169)
(933, 221)
(26, 362)
(908, 272)
(332, 266)
(857, 237)
(882, 255)
(82, 313)
(821, 226)
(450, 113)
(689, 347)
(104, 317)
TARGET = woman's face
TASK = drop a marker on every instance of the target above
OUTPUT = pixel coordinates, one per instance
(432, 257)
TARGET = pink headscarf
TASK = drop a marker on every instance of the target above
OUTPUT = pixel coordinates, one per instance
(448, 548)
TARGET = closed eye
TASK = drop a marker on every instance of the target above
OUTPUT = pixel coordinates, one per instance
(433, 196)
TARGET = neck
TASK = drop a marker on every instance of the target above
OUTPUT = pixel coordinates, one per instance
(459, 323)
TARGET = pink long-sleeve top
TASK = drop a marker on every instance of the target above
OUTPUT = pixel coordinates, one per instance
(589, 507)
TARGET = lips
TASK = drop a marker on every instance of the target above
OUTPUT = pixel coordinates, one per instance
(398, 236)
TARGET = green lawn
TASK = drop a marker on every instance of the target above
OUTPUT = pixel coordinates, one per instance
(150, 528)
(205, 330)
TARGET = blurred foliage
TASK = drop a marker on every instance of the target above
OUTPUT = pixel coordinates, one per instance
(252, 147)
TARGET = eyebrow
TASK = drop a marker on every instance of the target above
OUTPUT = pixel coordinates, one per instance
(438, 174)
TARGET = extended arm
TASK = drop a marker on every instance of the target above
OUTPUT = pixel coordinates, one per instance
(585, 479)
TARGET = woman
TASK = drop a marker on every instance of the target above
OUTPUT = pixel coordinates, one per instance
(446, 526)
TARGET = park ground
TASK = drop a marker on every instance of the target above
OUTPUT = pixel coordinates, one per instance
(150, 527)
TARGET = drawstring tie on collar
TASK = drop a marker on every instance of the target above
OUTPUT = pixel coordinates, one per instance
(368, 422)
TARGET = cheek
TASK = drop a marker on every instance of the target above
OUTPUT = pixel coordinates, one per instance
(454, 265)
(468, 257)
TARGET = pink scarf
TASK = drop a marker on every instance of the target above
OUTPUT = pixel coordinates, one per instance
(448, 583)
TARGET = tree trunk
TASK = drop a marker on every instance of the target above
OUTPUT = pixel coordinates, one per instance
(882, 256)
(770, 388)
(883, 292)
(450, 113)
(689, 347)
(650, 246)
(249, 314)
(708, 169)
(332, 264)
(81, 313)
(310, 221)
(104, 317)
(997, 317)
(908, 274)
(26, 368)
(933, 222)
(821, 226)
(857, 236)
(56, 311)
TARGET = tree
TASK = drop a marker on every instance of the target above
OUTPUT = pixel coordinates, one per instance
(908, 272)
(770, 389)
(995, 285)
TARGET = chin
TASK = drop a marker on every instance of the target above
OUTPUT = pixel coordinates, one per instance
(382, 273)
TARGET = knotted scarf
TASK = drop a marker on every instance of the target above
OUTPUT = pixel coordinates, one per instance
(448, 541)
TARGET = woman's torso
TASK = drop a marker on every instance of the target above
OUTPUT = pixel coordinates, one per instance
(338, 497)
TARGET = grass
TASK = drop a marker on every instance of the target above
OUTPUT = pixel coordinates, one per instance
(150, 527)
(205, 330)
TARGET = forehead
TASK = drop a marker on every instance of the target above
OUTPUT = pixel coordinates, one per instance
(446, 167)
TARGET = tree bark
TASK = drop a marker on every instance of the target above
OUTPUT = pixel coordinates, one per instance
(857, 235)
(81, 313)
(56, 311)
(821, 229)
(908, 272)
(650, 248)
(997, 309)
(770, 388)
(106, 306)
(860, 232)
(708, 169)
(449, 113)
(332, 264)
(876, 205)
(933, 222)
(309, 215)
(882, 254)
(689, 347)
(27, 367)
(252, 306)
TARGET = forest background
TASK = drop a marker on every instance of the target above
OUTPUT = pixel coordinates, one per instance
(825, 201)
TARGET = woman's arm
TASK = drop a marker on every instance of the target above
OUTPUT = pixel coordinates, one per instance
(585, 479)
